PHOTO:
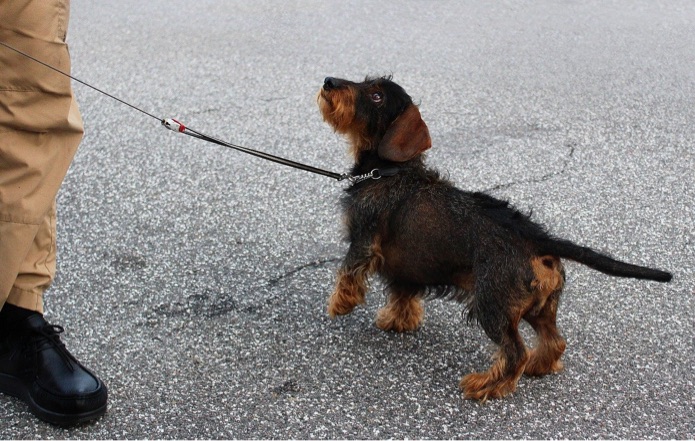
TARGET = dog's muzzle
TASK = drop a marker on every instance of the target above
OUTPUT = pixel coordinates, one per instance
(330, 83)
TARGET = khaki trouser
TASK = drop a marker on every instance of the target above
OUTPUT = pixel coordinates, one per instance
(40, 129)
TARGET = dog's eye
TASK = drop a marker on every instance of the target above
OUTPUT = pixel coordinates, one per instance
(377, 97)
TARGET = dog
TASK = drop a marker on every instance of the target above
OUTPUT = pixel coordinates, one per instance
(428, 239)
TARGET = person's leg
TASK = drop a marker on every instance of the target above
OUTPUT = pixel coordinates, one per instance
(32, 168)
(40, 130)
(37, 269)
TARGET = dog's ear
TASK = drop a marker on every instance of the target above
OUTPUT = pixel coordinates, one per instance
(406, 138)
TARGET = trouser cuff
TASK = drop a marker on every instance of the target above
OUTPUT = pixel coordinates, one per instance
(31, 300)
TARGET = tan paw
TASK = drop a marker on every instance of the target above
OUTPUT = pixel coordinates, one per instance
(401, 315)
(343, 302)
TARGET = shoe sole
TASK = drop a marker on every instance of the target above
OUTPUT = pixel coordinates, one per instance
(8, 385)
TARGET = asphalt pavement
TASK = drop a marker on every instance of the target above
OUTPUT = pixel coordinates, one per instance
(193, 279)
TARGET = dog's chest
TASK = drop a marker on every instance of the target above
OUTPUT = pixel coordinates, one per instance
(365, 208)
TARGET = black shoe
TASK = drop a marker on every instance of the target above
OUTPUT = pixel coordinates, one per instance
(36, 367)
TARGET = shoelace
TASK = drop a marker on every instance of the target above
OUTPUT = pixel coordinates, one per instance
(51, 340)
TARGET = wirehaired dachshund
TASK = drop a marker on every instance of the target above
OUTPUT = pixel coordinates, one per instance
(426, 238)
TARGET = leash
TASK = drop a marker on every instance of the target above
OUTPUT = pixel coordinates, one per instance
(176, 126)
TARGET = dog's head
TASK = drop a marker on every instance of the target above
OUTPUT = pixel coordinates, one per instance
(376, 114)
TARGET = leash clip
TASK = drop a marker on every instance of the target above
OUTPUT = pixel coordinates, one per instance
(174, 125)
(374, 174)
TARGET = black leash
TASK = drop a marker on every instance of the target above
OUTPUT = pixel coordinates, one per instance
(177, 126)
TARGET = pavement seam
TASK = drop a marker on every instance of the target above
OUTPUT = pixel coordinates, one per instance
(546, 177)
(313, 265)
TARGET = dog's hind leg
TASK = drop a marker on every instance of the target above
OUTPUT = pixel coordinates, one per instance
(501, 323)
(545, 357)
(351, 285)
(547, 286)
(403, 312)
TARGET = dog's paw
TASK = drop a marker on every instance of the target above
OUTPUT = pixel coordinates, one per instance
(342, 303)
(538, 366)
(402, 315)
(483, 386)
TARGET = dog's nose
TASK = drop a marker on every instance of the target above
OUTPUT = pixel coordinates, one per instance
(330, 83)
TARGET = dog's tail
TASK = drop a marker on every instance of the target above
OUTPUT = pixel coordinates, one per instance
(598, 261)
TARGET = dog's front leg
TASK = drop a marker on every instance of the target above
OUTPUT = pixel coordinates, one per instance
(362, 260)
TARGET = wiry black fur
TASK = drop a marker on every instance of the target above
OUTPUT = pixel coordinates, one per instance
(431, 239)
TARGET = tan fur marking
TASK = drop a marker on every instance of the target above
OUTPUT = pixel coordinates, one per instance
(548, 277)
(493, 383)
(338, 109)
(349, 292)
(351, 285)
(401, 314)
(545, 357)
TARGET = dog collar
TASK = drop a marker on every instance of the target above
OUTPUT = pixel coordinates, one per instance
(375, 174)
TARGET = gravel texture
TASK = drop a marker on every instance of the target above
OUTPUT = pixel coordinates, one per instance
(193, 279)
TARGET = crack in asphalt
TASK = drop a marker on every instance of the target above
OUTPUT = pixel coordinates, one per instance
(315, 264)
(572, 147)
